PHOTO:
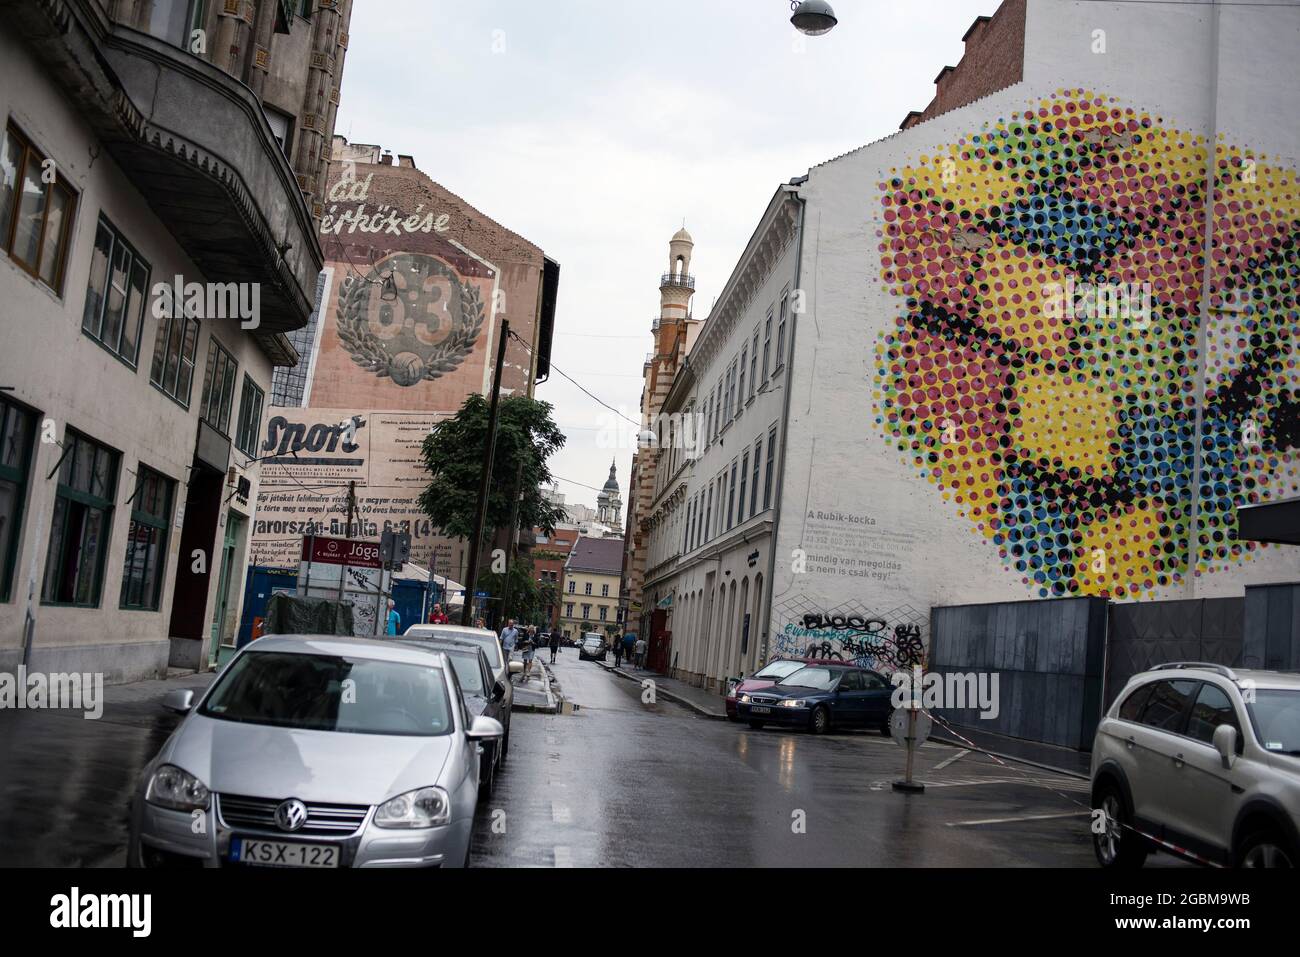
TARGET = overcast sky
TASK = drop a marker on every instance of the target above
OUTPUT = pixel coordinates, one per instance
(594, 128)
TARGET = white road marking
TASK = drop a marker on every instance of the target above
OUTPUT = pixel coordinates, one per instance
(1013, 820)
(956, 757)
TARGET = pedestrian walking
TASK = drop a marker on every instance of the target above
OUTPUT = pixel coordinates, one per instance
(555, 645)
(640, 647)
(528, 648)
(629, 640)
(618, 653)
(509, 638)
(394, 619)
(437, 617)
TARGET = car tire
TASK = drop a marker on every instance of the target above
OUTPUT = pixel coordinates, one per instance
(1265, 847)
(884, 727)
(756, 725)
(1119, 847)
(505, 744)
(820, 720)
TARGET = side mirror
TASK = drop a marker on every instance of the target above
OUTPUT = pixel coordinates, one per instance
(182, 702)
(484, 728)
(516, 667)
(498, 691)
(1225, 742)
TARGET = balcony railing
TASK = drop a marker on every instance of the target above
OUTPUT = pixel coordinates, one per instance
(681, 279)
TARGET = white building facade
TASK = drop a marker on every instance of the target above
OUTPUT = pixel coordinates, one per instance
(1013, 371)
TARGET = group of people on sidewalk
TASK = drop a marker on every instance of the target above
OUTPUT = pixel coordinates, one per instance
(632, 648)
(526, 640)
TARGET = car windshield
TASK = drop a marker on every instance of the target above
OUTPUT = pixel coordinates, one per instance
(821, 679)
(779, 669)
(1275, 715)
(486, 640)
(468, 672)
(332, 693)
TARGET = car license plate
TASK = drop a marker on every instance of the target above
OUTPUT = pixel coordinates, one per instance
(282, 853)
(760, 709)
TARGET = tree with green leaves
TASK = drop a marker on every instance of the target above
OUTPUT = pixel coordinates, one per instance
(453, 453)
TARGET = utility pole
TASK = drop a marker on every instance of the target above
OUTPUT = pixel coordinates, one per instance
(485, 482)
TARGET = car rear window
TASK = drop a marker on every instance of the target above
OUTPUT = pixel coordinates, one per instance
(488, 642)
(1131, 709)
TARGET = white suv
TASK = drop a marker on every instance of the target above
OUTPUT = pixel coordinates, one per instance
(1203, 761)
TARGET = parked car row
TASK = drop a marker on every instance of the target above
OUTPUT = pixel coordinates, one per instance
(329, 752)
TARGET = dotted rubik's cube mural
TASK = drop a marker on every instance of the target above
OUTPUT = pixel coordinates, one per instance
(1043, 371)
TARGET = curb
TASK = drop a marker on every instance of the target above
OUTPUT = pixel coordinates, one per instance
(1009, 757)
(671, 696)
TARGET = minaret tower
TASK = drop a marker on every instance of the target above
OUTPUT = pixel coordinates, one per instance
(676, 287)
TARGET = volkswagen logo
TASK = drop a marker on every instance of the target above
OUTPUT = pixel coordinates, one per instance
(291, 815)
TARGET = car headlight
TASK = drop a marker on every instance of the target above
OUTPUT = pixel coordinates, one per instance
(427, 807)
(744, 699)
(793, 703)
(173, 788)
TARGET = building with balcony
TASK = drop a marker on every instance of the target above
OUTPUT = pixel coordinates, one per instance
(160, 167)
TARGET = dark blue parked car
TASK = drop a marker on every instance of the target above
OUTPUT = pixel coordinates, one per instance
(820, 697)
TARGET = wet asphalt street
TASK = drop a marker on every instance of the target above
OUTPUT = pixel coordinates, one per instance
(619, 783)
(625, 784)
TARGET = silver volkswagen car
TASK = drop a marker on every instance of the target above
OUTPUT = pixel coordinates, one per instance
(316, 752)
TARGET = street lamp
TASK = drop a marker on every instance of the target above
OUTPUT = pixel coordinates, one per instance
(813, 17)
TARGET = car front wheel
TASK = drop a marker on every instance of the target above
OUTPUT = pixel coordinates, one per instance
(1117, 846)
(756, 725)
(820, 722)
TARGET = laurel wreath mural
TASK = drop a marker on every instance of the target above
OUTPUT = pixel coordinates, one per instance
(405, 358)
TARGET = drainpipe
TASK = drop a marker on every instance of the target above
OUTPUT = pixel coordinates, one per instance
(785, 422)
(1202, 333)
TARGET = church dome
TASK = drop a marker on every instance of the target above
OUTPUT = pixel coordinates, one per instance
(611, 484)
(682, 236)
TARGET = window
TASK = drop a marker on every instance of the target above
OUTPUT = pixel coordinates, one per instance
(115, 294)
(146, 542)
(218, 388)
(587, 588)
(1131, 709)
(173, 20)
(851, 681)
(731, 391)
(36, 210)
(305, 8)
(17, 429)
(1213, 707)
(753, 490)
(604, 591)
(767, 342)
(708, 515)
(690, 520)
(1167, 705)
(83, 513)
(731, 496)
(717, 421)
(568, 608)
(250, 418)
(281, 127)
(753, 363)
(586, 613)
(740, 389)
(780, 335)
(744, 477)
(573, 586)
(604, 613)
(173, 355)
(771, 461)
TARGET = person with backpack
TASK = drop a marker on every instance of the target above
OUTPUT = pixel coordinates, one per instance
(555, 644)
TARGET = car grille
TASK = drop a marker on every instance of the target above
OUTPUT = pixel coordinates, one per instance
(762, 699)
(323, 820)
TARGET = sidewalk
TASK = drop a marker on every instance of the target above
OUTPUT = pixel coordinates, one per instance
(534, 694)
(707, 704)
